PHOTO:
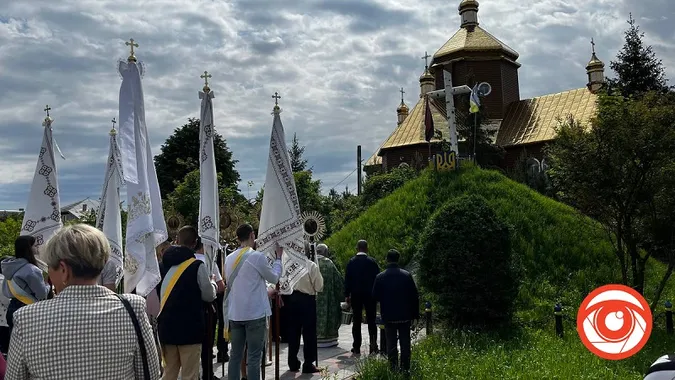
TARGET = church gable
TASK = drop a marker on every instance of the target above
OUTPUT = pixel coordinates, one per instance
(535, 120)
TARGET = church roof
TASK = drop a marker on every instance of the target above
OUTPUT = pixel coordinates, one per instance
(411, 130)
(476, 40)
(535, 120)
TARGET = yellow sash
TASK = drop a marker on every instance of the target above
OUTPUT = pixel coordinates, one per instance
(172, 281)
(23, 298)
(226, 329)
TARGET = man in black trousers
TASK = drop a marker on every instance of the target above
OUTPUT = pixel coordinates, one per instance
(221, 344)
(397, 294)
(359, 279)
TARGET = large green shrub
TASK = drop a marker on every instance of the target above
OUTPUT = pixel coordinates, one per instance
(381, 185)
(465, 259)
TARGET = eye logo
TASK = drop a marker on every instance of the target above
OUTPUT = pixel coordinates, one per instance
(614, 322)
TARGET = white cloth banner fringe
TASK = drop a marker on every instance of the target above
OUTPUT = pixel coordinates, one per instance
(146, 227)
(42, 217)
(280, 221)
(109, 218)
(209, 215)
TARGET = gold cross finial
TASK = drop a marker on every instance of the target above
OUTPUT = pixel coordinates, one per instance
(47, 109)
(593, 45)
(132, 44)
(426, 60)
(206, 77)
(402, 92)
(276, 97)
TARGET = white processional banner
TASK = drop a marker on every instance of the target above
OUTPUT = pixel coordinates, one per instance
(280, 220)
(146, 228)
(42, 217)
(209, 215)
(109, 218)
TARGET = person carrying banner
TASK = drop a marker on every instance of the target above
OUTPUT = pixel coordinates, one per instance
(184, 289)
(246, 305)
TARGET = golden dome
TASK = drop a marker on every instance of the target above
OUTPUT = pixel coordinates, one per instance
(426, 76)
(402, 108)
(468, 4)
(594, 63)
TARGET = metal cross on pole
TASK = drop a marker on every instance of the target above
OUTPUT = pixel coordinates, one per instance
(448, 93)
(276, 98)
(47, 109)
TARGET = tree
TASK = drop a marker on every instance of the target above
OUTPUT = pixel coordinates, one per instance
(180, 155)
(309, 191)
(488, 154)
(617, 172)
(298, 164)
(10, 228)
(637, 67)
(185, 198)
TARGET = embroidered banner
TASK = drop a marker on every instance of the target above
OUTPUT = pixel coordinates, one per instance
(209, 215)
(42, 217)
(146, 228)
(280, 220)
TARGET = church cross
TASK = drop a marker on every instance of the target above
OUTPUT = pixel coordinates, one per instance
(47, 109)
(426, 60)
(402, 92)
(114, 122)
(206, 77)
(276, 98)
(593, 45)
(132, 44)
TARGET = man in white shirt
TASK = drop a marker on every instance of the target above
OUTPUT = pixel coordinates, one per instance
(246, 303)
(302, 310)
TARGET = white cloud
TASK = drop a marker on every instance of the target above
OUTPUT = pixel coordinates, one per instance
(338, 65)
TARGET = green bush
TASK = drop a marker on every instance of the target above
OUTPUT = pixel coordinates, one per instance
(465, 259)
(381, 185)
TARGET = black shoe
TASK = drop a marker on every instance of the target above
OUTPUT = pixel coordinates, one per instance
(356, 351)
(374, 350)
(223, 357)
(294, 366)
(310, 368)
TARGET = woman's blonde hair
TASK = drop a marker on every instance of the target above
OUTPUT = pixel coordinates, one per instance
(82, 247)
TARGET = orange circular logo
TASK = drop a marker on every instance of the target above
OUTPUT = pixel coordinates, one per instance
(614, 322)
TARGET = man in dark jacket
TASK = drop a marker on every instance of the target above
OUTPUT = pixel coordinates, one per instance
(359, 279)
(184, 289)
(396, 292)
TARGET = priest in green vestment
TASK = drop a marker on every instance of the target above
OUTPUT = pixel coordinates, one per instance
(329, 313)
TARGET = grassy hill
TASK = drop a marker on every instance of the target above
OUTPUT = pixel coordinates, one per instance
(563, 254)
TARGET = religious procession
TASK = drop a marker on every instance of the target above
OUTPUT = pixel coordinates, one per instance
(84, 302)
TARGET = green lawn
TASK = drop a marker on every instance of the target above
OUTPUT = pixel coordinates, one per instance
(564, 256)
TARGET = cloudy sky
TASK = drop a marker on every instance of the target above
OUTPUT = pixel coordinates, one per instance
(338, 65)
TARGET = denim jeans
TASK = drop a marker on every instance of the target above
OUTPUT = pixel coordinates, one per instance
(244, 334)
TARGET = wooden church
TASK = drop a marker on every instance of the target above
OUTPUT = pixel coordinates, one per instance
(520, 124)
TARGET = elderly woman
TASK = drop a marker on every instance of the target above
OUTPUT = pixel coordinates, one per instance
(86, 331)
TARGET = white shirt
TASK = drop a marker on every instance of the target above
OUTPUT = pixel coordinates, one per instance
(312, 282)
(248, 298)
(214, 267)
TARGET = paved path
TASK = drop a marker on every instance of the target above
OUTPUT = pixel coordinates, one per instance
(338, 362)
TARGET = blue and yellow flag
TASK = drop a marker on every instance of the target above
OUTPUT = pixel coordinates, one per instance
(474, 100)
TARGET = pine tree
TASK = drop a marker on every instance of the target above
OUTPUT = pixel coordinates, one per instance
(298, 164)
(637, 67)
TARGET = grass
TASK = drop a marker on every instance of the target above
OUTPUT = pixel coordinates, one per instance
(564, 256)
